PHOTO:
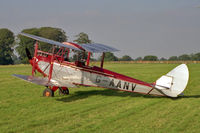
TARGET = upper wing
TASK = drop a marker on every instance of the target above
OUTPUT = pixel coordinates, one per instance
(48, 41)
(94, 47)
(44, 81)
(98, 48)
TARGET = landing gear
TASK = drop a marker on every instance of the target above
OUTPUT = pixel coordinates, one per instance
(48, 93)
(63, 91)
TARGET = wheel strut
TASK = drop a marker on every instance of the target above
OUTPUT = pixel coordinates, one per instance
(63, 91)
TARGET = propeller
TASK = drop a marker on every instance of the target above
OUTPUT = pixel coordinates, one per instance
(28, 54)
(30, 57)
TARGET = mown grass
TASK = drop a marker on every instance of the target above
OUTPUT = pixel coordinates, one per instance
(89, 109)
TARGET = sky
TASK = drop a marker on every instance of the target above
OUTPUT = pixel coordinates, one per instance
(136, 27)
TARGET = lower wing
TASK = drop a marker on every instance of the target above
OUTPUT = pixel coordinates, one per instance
(44, 81)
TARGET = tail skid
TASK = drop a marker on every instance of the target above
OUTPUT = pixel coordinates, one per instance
(174, 82)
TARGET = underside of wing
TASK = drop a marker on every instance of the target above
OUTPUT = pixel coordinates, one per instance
(48, 41)
(44, 81)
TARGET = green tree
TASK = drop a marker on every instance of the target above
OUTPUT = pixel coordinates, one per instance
(110, 57)
(6, 42)
(163, 59)
(138, 59)
(150, 58)
(55, 34)
(16, 59)
(173, 58)
(126, 58)
(25, 42)
(195, 57)
(184, 57)
(81, 38)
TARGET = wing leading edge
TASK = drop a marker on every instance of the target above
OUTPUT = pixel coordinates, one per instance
(48, 41)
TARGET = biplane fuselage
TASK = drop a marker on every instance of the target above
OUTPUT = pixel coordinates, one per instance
(60, 73)
(95, 77)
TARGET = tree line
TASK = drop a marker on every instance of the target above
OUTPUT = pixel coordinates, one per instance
(185, 57)
(12, 48)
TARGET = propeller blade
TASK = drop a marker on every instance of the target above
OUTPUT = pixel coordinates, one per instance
(28, 54)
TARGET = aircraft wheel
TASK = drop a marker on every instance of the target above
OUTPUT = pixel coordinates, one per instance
(63, 92)
(48, 93)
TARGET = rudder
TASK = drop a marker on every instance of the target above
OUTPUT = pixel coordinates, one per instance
(174, 82)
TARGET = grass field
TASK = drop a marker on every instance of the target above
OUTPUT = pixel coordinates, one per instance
(89, 109)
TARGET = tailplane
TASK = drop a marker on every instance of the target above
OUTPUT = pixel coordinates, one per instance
(174, 82)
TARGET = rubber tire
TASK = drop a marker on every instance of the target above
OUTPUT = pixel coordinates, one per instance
(48, 93)
(63, 92)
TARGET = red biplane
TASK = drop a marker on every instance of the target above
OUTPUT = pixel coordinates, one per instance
(59, 73)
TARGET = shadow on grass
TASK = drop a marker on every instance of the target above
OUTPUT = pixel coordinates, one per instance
(84, 94)
(189, 96)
